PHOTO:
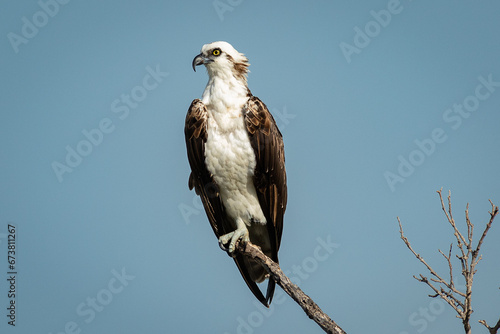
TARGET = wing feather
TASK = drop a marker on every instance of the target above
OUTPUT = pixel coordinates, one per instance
(200, 179)
(270, 173)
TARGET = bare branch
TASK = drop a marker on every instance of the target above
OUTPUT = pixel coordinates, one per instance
(449, 264)
(468, 257)
(460, 238)
(448, 297)
(493, 213)
(470, 226)
(307, 304)
(420, 258)
(492, 330)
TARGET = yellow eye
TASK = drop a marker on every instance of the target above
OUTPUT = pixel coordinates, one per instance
(216, 52)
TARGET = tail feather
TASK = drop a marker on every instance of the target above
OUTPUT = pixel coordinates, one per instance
(240, 262)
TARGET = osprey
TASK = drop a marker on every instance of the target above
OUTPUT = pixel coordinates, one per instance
(237, 161)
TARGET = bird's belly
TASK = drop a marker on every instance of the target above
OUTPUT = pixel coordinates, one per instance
(230, 158)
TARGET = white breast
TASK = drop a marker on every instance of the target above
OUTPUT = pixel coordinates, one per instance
(230, 158)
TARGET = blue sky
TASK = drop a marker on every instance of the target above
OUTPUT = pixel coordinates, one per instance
(381, 103)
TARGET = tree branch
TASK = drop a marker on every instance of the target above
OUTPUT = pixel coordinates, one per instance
(493, 213)
(308, 305)
(469, 258)
(448, 297)
(492, 330)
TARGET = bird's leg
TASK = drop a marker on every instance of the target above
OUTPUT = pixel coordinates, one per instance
(241, 232)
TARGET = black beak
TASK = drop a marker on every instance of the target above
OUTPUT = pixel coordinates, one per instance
(198, 60)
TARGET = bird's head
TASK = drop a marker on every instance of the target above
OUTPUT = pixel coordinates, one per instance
(220, 58)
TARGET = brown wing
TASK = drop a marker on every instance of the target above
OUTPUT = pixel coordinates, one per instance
(201, 179)
(270, 173)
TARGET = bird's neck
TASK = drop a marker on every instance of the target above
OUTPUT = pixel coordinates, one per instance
(224, 91)
(225, 97)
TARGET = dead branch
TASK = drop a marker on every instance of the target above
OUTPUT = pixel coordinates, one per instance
(492, 330)
(468, 257)
(308, 305)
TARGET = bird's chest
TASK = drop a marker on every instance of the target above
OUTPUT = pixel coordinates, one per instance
(229, 155)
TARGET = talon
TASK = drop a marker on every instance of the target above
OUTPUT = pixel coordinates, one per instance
(241, 233)
(221, 245)
(238, 234)
(224, 240)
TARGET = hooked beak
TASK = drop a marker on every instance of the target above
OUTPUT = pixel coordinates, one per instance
(198, 60)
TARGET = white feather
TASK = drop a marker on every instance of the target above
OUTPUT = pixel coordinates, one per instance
(229, 155)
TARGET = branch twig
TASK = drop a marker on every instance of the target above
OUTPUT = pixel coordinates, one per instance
(307, 304)
(492, 330)
(469, 258)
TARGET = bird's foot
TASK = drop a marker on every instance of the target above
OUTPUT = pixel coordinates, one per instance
(241, 232)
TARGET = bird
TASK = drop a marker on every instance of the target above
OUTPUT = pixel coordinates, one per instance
(237, 159)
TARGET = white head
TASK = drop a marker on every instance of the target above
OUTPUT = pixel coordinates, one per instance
(221, 59)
